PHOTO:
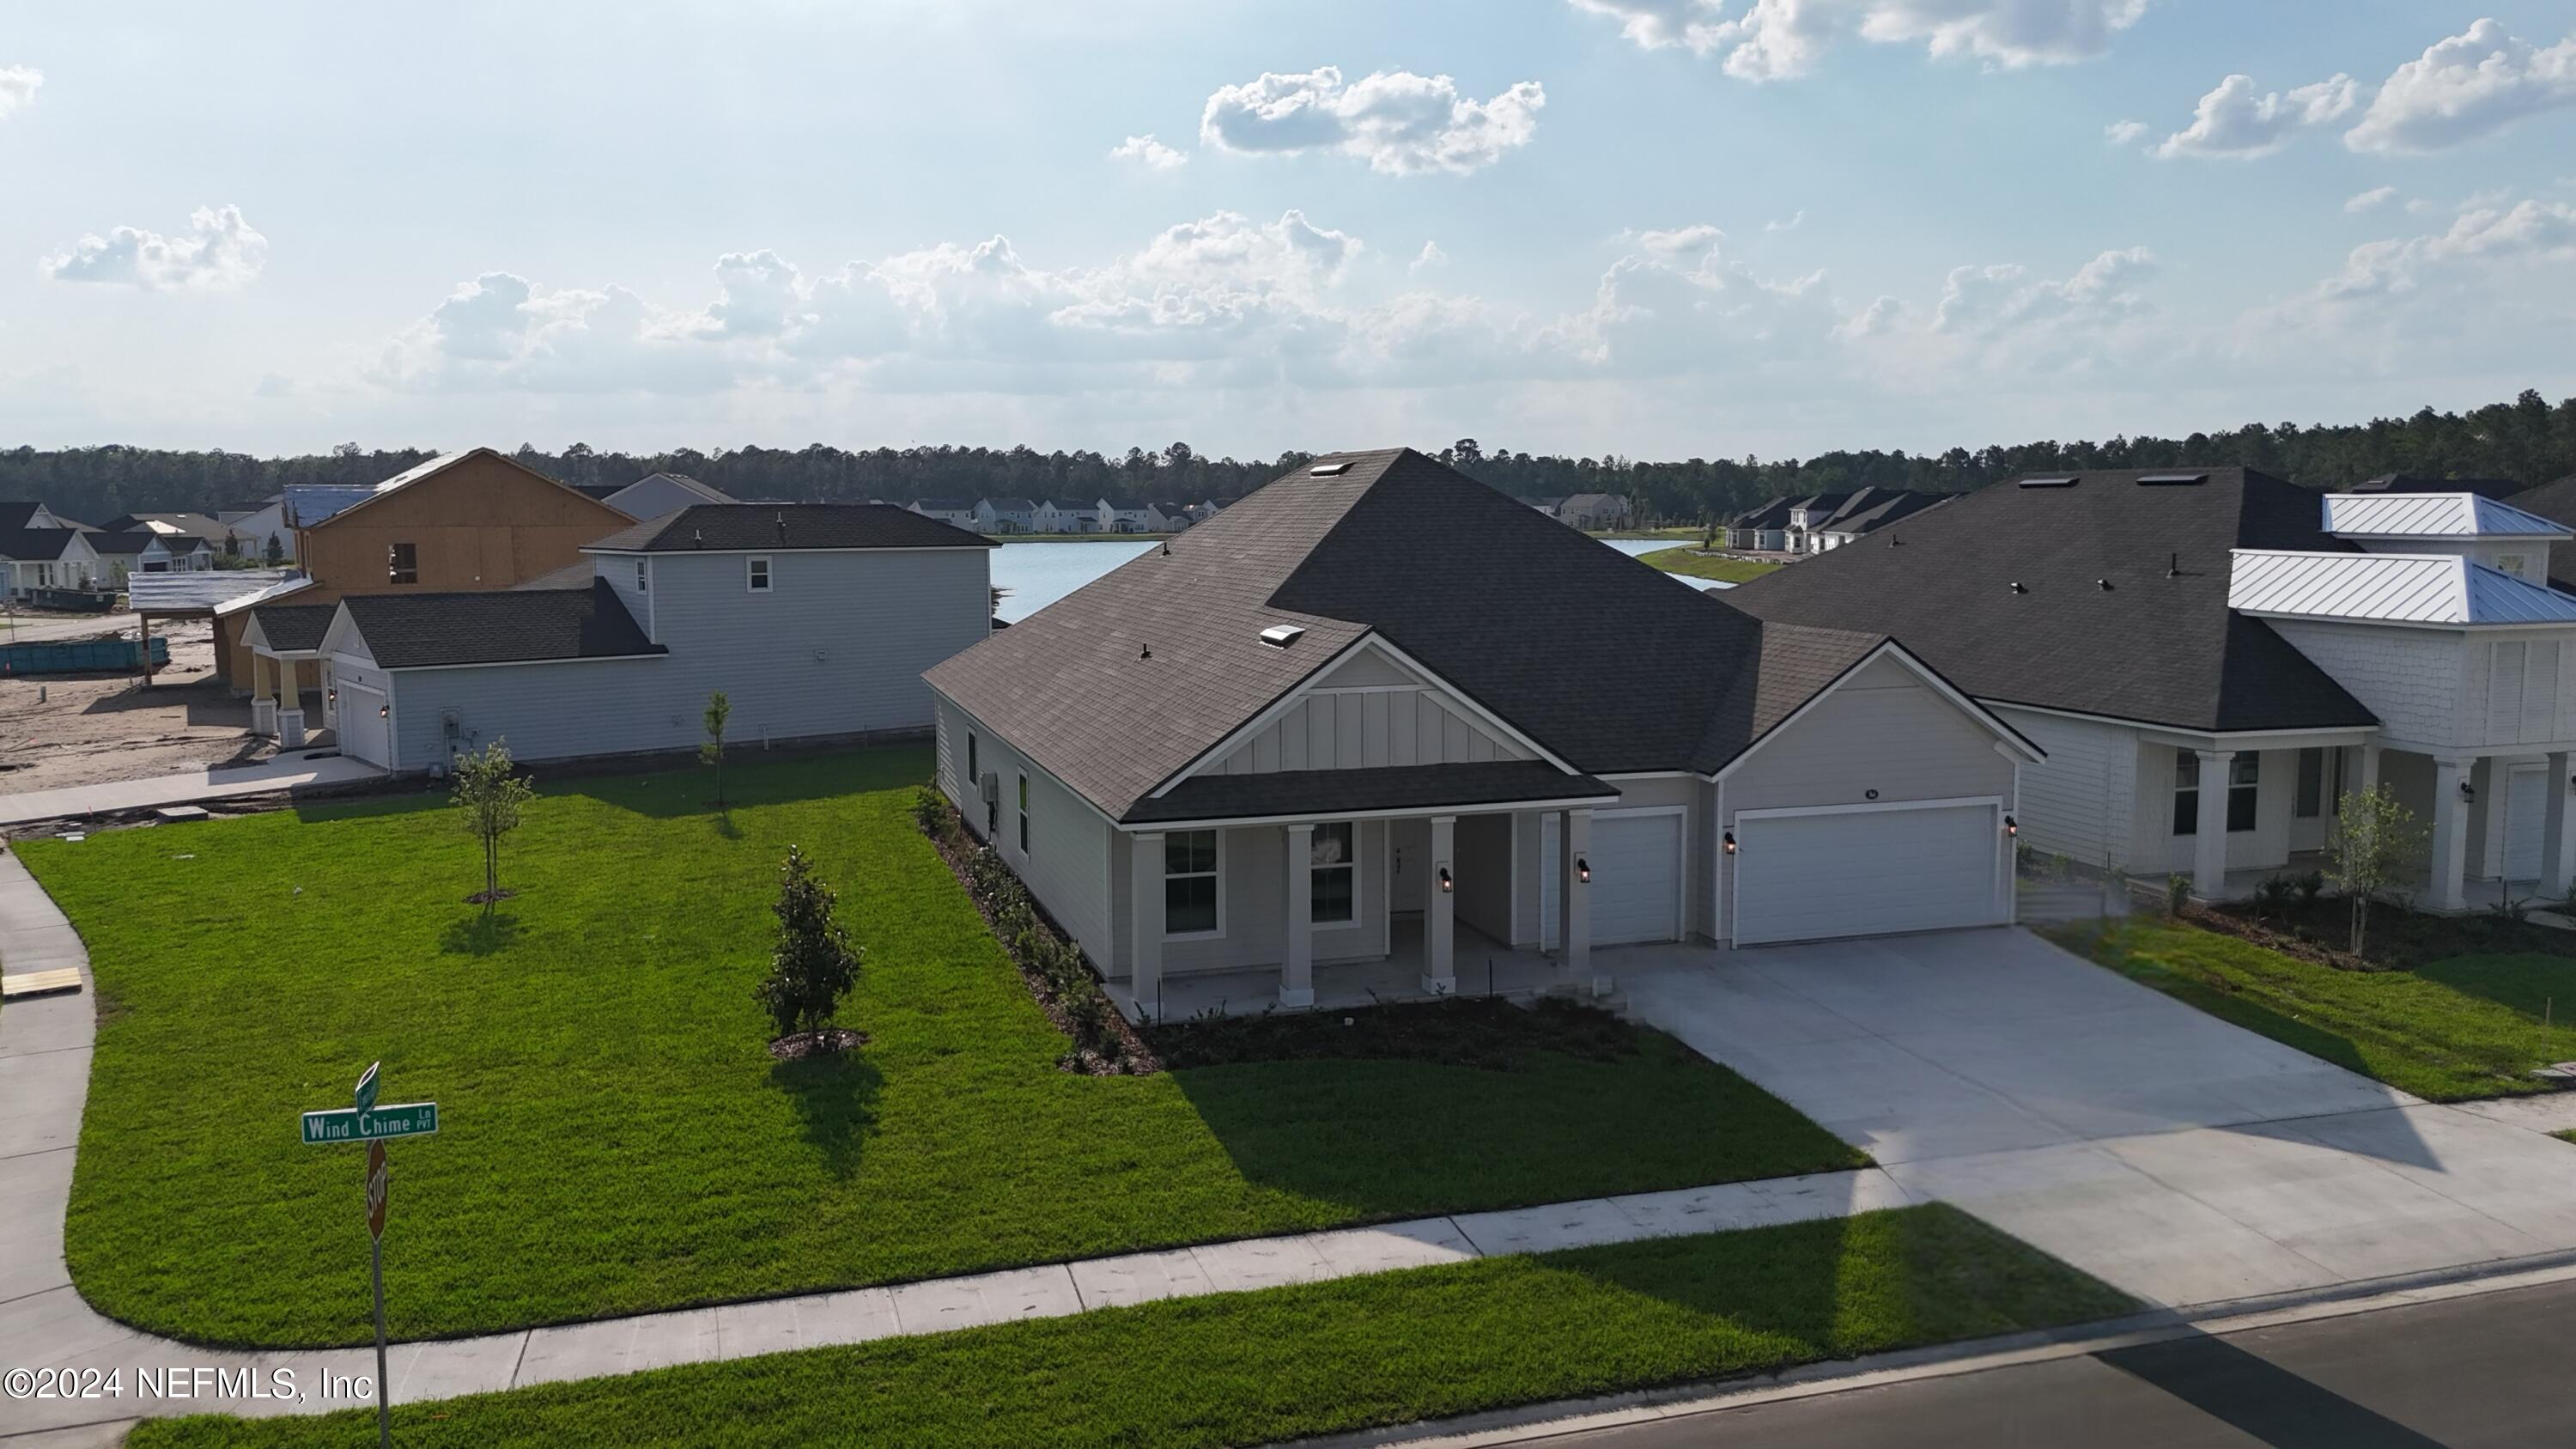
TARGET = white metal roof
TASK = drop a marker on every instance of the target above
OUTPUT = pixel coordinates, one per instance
(293, 582)
(2394, 588)
(183, 593)
(2432, 515)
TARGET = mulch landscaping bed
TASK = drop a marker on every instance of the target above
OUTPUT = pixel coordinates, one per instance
(1459, 1032)
(796, 1046)
(2397, 939)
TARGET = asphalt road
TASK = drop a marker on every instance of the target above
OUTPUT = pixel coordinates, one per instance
(2496, 1369)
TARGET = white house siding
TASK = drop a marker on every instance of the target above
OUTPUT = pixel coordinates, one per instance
(1066, 866)
(2081, 800)
(2412, 679)
(836, 647)
(1253, 880)
(547, 711)
(1368, 712)
(2267, 844)
(2518, 691)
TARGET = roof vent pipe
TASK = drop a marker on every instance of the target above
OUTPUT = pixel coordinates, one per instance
(697, 538)
(2017, 587)
(1145, 651)
(2105, 583)
(2173, 565)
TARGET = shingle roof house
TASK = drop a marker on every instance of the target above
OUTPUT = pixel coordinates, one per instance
(2213, 657)
(1322, 667)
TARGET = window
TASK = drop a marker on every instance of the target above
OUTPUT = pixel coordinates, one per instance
(1024, 813)
(1333, 866)
(402, 563)
(974, 776)
(1189, 883)
(2244, 776)
(756, 575)
(643, 580)
(2311, 797)
(2511, 563)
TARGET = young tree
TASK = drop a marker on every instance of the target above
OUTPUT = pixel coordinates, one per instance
(276, 552)
(719, 710)
(490, 793)
(2375, 840)
(814, 964)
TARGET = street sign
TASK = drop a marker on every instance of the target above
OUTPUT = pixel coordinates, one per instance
(347, 1124)
(366, 1093)
(379, 1189)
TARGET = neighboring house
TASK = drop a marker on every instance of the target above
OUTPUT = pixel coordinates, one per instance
(1806, 514)
(2214, 657)
(180, 535)
(119, 554)
(1764, 529)
(659, 493)
(815, 619)
(1548, 506)
(1594, 511)
(1378, 711)
(50, 557)
(946, 510)
(2557, 503)
(1114, 519)
(1055, 517)
(25, 513)
(1006, 515)
(171, 553)
(1172, 515)
(477, 519)
(258, 528)
(1865, 511)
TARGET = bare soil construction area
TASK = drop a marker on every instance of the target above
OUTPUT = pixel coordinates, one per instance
(86, 729)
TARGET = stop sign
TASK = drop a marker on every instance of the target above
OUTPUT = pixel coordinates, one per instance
(379, 1187)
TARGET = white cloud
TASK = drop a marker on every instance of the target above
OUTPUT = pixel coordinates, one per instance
(2528, 231)
(18, 85)
(2371, 200)
(1430, 258)
(1682, 241)
(2464, 88)
(1402, 124)
(1779, 39)
(2122, 133)
(1792, 224)
(1149, 153)
(2233, 121)
(219, 252)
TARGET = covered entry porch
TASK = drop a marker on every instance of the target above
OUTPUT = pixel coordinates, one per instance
(285, 646)
(1340, 909)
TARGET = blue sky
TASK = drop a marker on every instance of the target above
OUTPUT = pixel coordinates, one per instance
(1654, 227)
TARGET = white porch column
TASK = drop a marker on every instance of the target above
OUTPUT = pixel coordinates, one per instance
(2369, 780)
(1145, 923)
(1574, 921)
(1297, 967)
(2558, 827)
(1440, 916)
(2450, 833)
(263, 703)
(2209, 847)
(290, 705)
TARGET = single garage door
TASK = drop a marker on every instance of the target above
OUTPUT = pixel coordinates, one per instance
(362, 724)
(1636, 879)
(1866, 872)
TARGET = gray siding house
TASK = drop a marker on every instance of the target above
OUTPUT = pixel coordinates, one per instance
(1312, 749)
(817, 621)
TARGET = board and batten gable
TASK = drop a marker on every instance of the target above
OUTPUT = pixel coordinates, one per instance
(835, 646)
(1367, 711)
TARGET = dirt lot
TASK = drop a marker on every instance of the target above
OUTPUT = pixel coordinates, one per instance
(93, 728)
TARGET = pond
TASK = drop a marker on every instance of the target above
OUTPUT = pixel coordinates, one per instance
(1034, 575)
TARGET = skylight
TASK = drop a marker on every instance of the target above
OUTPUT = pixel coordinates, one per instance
(2171, 480)
(2048, 482)
(1328, 470)
(1280, 636)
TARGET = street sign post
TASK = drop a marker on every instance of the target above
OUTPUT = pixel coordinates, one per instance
(364, 1121)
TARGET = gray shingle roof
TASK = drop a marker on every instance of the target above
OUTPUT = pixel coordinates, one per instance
(41, 545)
(2163, 650)
(502, 626)
(1402, 787)
(294, 626)
(1606, 662)
(786, 527)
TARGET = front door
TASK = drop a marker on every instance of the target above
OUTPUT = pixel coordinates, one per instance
(1408, 867)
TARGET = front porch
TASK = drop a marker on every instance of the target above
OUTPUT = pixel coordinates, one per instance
(1483, 967)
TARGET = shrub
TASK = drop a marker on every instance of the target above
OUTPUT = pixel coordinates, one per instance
(2177, 892)
(2272, 896)
(2309, 886)
(813, 965)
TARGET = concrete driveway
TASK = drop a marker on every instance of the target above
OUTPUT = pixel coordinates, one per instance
(2181, 1158)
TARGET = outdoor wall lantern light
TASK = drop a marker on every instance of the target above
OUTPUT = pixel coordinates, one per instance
(1445, 883)
(384, 711)
(2011, 826)
(1730, 842)
(1583, 870)
(2468, 792)
(331, 695)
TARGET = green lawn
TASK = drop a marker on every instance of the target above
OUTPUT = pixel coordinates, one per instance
(2460, 1027)
(1252, 1368)
(614, 1136)
(1704, 566)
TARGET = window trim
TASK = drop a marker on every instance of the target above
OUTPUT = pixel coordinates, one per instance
(1215, 873)
(395, 567)
(2252, 789)
(2518, 565)
(2187, 823)
(643, 576)
(757, 576)
(1352, 864)
(1024, 814)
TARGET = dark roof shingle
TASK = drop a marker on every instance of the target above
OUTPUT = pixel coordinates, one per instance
(2152, 646)
(502, 626)
(786, 527)
(1395, 787)
(294, 626)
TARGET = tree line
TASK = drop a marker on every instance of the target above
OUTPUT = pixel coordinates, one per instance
(2527, 440)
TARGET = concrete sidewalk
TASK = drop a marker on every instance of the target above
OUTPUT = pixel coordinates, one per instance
(186, 788)
(44, 1080)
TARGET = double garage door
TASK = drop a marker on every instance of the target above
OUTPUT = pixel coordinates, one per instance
(1804, 875)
